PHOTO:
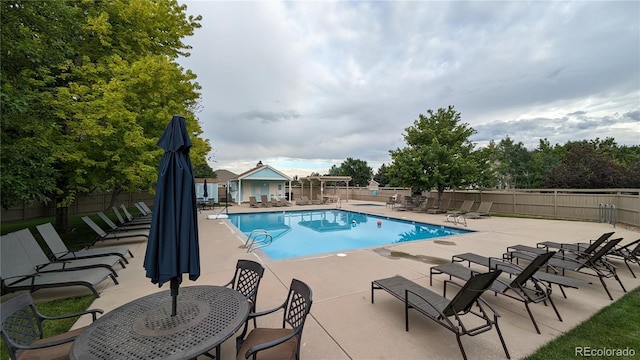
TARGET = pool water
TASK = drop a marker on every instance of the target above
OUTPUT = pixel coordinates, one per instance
(311, 232)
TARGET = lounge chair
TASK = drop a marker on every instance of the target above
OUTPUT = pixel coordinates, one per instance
(60, 252)
(520, 251)
(441, 208)
(440, 310)
(253, 202)
(581, 247)
(132, 219)
(283, 203)
(113, 227)
(116, 235)
(458, 215)
(283, 342)
(483, 211)
(142, 209)
(425, 205)
(594, 264)
(23, 334)
(43, 264)
(629, 253)
(144, 206)
(513, 269)
(525, 287)
(18, 273)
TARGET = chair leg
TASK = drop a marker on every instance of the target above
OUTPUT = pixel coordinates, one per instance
(619, 282)
(554, 308)
(629, 267)
(464, 355)
(604, 285)
(504, 345)
(535, 325)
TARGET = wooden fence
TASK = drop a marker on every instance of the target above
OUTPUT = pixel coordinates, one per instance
(584, 205)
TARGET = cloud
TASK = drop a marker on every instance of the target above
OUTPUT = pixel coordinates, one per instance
(317, 82)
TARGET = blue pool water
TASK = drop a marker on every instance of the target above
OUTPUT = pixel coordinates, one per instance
(310, 232)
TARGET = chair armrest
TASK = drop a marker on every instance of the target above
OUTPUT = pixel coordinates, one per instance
(440, 314)
(94, 314)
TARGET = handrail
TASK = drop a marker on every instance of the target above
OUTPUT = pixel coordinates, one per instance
(607, 213)
(259, 236)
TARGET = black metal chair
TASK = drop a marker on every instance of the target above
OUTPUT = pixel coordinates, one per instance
(451, 314)
(22, 331)
(278, 343)
(246, 280)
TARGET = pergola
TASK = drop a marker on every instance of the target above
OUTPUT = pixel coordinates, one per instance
(322, 180)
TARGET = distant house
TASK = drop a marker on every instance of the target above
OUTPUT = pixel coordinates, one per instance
(261, 180)
(216, 187)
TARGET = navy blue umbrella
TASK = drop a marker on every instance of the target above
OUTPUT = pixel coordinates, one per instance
(206, 193)
(172, 248)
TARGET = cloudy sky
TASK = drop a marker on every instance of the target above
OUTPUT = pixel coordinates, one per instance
(304, 85)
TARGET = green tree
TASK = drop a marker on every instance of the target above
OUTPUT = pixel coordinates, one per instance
(359, 171)
(105, 101)
(513, 164)
(438, 155)
(583, 166)
(381, 176)
(203, 171)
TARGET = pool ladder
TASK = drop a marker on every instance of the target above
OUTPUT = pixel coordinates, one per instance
(257, 239)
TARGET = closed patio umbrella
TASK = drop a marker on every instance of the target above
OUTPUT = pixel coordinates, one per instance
(205, 194)
(172, 248)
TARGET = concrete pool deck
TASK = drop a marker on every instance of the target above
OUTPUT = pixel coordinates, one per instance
(344, 324)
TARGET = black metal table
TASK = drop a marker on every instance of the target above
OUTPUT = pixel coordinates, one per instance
(144, 328)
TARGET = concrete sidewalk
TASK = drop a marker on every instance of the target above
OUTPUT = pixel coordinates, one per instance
(344, 324)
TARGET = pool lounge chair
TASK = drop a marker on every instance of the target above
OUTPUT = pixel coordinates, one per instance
(440, 310)
(441, 208)
(520, 251)
(128, 221)
(42, 262)
(60, 252)
(513, 269)
(140, 219)
(116, 235)
(525, 287)
(113, 227)
(23, 334)
(18, 273)
(458, 215)
(594, 264)
(264, 201)
(629, 253)
(576, 246)
(483, 211)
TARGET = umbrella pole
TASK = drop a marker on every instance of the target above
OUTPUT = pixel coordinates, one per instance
(174, 295)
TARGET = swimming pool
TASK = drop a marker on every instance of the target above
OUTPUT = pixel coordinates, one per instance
(311, 232)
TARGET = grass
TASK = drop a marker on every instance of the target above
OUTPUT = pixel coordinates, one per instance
(615, 327)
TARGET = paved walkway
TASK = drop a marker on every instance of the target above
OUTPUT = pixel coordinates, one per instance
(344, 324)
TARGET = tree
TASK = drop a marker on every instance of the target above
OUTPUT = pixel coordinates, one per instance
(513, 163)
(438, 155)
(359, 171)
(584, 167)
(203, 171)
(381, 176)
(105, 99)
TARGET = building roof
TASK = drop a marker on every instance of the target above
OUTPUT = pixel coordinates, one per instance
(224, 176)
(263, 172)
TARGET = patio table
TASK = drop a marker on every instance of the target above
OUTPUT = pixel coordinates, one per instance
(144, 328)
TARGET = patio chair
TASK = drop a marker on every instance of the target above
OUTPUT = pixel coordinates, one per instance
(113, 227)
(246, 281)
(131, 219)
(451, 314)
(264, 201)
(524, 287)
(594, 264)
(513, 269)
(278, 343)
(253, 202)
(520, 251)
(482, 211)
(442, 208)
(23, 333)
(582, 247)
(425, 205)
(18, 273)
(60, 252)
(144, 206)
(458, 215)
(142, 210)
(629, 253)
(116, 235)
(43, 264)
